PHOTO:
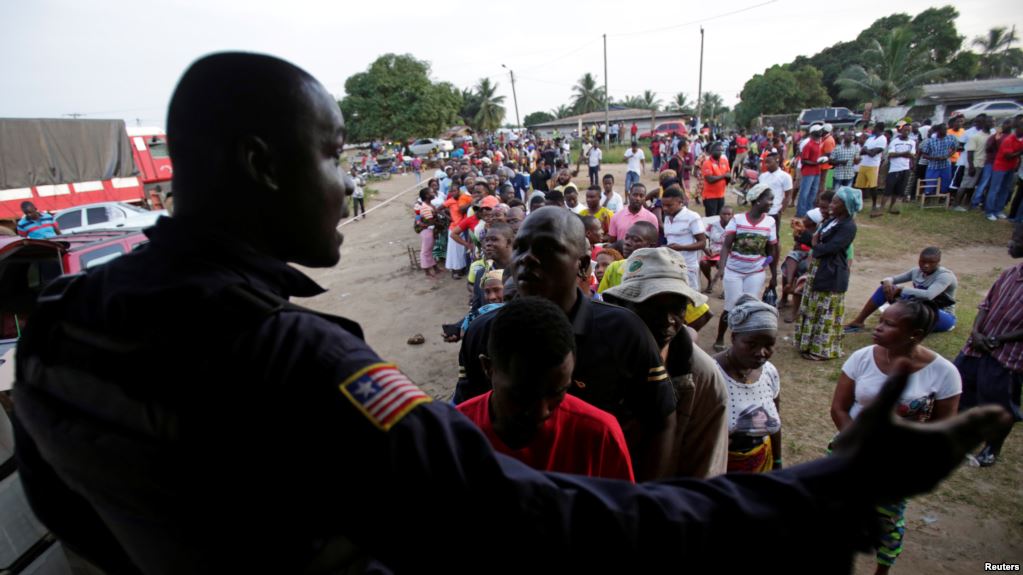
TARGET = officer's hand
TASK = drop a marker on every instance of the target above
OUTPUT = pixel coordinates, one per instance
(925, 453)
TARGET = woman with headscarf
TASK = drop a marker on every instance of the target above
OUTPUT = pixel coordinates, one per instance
(819, 330)
(754, 424)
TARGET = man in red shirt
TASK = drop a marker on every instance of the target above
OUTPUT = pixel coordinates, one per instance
(528, 414)
(1006, 162)
(809, 172)
(716, 175)
(741, 149)
(633, 131)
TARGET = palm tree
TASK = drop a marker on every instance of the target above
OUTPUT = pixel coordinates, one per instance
(588, 97)
(650, 100)
(562, 111)
(997, 39)
(712, 106)
(898, 69)
(998, 58)
(633, 102)
(681, 104)
(491, 112)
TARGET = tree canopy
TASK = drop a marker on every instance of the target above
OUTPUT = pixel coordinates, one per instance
(588, 96)
(781, 89)
(394, 99)
(537, 118)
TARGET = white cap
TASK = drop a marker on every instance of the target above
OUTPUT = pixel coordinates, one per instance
(828, 127)
(815, 215)
(815, 128)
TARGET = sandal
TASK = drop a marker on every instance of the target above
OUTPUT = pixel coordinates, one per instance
(876, 213)
(811, 357)
(894, 212)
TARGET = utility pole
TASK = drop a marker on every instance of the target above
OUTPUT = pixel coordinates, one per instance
(607, 97)
(515, 98)
(74, 115)
(699, 90)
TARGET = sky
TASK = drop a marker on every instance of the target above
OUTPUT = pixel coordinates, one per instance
(121, 59)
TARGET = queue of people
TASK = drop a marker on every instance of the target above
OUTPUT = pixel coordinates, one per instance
(178, 471)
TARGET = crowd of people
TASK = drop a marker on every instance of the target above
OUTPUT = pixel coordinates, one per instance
(662, 407)
(177, 470)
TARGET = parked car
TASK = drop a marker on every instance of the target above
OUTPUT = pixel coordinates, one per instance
(424, 146)
(28, 265)
(665, 129)
(837, 117)
(995, 109)
(105, 216)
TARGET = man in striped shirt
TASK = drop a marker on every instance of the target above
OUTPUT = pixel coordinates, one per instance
(36, 225)
(991, 362)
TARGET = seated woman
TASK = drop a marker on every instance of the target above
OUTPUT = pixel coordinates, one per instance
(931, 282)
(932, 393)
(754, 426)
(712, 252)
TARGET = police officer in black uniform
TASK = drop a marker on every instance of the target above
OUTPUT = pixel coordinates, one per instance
(175, 414)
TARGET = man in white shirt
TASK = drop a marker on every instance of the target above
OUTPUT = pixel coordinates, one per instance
(593, 156)
(684, 231)
(901, 153)
(636, 163)
(781, 184)
(959, 172)
(870, 162)
(611, 199)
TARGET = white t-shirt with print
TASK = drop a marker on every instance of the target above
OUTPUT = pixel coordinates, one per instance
(871, 143)
(899, 146)
(749, 244)
(937, 380)
(634, 159)
(594, 155)
(751, 409)
(779, 181)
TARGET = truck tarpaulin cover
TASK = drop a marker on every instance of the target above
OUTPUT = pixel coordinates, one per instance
(40, 152)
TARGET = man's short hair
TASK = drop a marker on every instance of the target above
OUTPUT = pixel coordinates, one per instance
(637, 185)
(531, 330)
(555, 196)
(609, 177)
(501, 229)
(645, 229)
(673, 191)
(931, 252)
(26, 205)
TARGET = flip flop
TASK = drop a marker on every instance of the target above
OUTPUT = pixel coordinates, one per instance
(876, 213)
(894, 212)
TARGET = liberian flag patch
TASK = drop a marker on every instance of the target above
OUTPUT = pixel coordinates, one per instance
(383, 394)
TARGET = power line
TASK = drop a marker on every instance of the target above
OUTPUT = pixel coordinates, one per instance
(692, 22)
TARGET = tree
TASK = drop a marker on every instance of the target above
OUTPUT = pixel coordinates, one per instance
(681, 104)
(490, 114)
(898, 69)
(394, 99)
(712, 106)
(562, 111)
(588, 97)
(470, 107)
(998, 58)
(779, 90)
(537, 118)
(650, 100)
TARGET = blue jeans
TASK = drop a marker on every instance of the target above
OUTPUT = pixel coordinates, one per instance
(946, 179)
(807, 194)
(998, 195)
(657, 162)
(630, 178)
(945, 322)
(985, 179)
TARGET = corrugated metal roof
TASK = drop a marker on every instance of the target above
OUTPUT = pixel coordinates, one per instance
(626, 114)
(1011, 88)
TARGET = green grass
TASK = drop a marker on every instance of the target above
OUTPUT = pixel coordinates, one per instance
(987, 494)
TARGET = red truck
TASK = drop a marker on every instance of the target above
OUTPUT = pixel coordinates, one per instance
(60, 163)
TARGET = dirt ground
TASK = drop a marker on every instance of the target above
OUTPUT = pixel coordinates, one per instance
(954, 530)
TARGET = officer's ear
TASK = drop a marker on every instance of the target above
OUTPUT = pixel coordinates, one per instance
(257, 162)
(488, 366)
(584, 266)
